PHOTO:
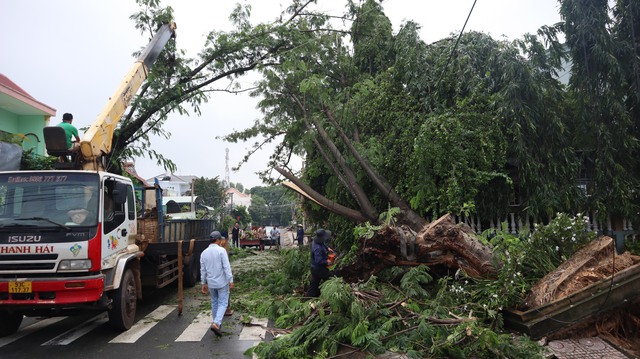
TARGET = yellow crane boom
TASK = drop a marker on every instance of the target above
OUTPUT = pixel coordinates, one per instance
(96, 142)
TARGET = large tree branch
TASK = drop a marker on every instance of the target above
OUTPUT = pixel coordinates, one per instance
(350, 177)
(413, 219)
(339, 167)
(332, 206)
(168, 97)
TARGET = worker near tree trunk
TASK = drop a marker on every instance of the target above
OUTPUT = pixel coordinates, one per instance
(300, 235)
(321, 259)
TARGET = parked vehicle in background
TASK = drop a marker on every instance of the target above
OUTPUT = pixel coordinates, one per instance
(250, 239)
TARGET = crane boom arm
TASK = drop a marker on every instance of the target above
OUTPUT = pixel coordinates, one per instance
(97, 141)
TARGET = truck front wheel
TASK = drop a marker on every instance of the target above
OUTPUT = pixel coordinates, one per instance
(123, 309)
(9, 322)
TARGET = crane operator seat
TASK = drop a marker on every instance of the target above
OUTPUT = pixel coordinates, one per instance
(55, 140)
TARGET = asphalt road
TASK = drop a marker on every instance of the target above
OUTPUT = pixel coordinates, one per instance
(159, 332)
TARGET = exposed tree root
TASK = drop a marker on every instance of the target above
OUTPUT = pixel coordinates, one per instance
(441, 243)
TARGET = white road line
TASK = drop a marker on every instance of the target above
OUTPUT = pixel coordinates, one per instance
(78, 331)
(197, 329)
(143, 326)
(256, 331)
(29, 329)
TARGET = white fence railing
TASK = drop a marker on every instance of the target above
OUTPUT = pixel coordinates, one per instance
(516, 223)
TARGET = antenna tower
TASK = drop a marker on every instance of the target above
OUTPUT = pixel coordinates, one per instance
(226, 168)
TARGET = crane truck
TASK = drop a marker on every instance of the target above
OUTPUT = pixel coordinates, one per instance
(80, 238)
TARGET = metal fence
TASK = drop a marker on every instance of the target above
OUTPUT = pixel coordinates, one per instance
(182, 229)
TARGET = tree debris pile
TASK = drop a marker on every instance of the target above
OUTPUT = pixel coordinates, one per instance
(593, 263)
(401, 312)
(596, 261)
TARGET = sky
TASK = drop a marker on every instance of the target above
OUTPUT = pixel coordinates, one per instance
(72, 55)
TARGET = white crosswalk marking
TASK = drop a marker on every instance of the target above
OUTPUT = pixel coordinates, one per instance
(29, 329)
(78, 331)
(197, 329)
(144, 325)
(195, 332)
(255, 331)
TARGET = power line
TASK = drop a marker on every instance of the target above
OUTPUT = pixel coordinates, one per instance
(456, 44)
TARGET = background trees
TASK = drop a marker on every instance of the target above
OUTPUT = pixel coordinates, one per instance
(467, 125)
(388, 124)
(272, 205)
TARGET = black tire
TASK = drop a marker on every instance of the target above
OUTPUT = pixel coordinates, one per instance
(191, 271)
(9, 322)
(123, 309)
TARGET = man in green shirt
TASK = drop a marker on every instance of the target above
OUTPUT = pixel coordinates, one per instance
(71, 131)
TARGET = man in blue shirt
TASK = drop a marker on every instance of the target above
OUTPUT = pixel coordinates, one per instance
(217, 280)
(320, 262)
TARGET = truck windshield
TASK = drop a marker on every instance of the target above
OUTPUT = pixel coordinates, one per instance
(58, 200)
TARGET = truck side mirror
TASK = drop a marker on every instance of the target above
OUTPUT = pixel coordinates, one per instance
(120, 193)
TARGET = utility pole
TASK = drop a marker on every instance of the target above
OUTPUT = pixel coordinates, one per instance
(193, 188)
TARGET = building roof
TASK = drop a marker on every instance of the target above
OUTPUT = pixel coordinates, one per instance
(236, 193)
(130, 168)
(16, 100)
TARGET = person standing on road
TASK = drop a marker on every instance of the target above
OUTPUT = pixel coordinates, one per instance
(235, 235)
(300, 235)
(262, 233)
(217, 279)
(321, 260)
(275, 236)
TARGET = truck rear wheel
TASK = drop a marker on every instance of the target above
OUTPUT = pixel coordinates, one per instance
(191, 271)
(123, 309)
(9, 322)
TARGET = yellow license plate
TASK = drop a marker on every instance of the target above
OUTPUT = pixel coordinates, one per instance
(19, 287)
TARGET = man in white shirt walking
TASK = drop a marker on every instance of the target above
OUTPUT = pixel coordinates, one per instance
(275, 236)
(217, 280)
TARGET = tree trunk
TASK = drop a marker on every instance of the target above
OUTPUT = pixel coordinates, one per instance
(332, 206)
(441, 244)
(409, 217)
(593, 262)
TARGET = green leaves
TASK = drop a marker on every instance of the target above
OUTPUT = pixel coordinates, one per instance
(457, 155)
(413, 283)
(403, 310)
(604, 96)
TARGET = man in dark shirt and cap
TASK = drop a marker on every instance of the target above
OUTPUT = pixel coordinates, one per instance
(320, 262)
(300, 235)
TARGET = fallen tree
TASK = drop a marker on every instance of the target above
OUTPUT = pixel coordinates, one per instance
(595, 271)
(441, 244)
(445, 246)
(596, 261)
